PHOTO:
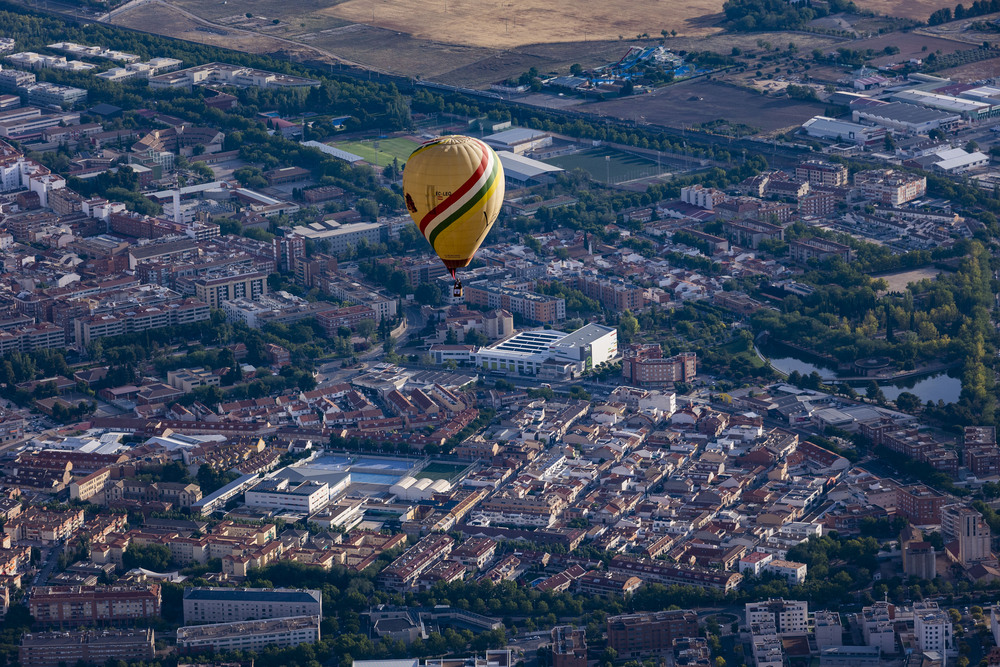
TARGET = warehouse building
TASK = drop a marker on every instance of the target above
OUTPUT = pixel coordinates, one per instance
(822, 127)
(905, 118)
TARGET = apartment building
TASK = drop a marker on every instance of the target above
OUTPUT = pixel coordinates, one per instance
(96, 647)
(603, 583)
(877, 626)
(213, 290)
(569, 646)
(645, 366)
(533, 307)
(402, 573)
(787, 616)
(251, 635)
(39, 525)
(187, 379)
(650, 633)
(139, 319)
(613, 294)
(932, 627)
(920, 504)
(820, 172)
(794, 573)
(94, 605)
(803, 250)
(224, 605)
(828, 629)
(969, 529)
(890, 187)
(668, 574)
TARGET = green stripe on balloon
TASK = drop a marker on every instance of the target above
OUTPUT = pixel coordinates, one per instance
(477, 199)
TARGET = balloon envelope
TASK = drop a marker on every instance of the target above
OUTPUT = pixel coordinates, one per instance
(454, 188)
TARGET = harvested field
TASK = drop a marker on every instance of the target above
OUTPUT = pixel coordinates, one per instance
(910, 44)
(918, 10)
(513, 23)
(166, 20)
(984, 69)
(688, 104)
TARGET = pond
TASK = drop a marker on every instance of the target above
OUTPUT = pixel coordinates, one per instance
(940, 386)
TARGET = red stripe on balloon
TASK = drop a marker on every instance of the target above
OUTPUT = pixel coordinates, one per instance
(458, 194)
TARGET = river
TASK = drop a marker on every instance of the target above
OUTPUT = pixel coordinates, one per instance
(940, 386)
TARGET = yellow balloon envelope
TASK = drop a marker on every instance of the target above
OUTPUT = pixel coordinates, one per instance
(454, 188)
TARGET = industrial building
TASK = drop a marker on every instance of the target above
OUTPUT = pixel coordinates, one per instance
(904, 117)
(822, 127)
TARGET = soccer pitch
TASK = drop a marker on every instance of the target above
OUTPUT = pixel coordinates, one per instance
(383, 154)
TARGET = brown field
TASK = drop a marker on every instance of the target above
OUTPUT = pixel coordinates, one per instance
(984, 69)
(513, 23)
(907, 9)
(674, 107)
(164, 20)
(910, 46)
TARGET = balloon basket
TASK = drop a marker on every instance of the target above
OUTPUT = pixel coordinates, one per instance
(457, 291)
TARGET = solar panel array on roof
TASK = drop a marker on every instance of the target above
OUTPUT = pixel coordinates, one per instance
(530, 342)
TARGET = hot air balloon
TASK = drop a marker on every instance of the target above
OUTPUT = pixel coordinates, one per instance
(453, 187)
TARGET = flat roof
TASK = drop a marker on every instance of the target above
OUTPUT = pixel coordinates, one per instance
(585, 335)
(523, 168)
(514, 135)
(529, 342)
(252, 595)
(906, 113)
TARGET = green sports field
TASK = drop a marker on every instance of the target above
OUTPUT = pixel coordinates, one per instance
(439, 470)
(601, 163)
(388, 149)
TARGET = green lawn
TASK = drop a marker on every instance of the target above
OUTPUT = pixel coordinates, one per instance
(598, 162)
(438, 470)
(388, 149)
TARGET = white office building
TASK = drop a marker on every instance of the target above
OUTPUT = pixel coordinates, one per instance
(281, 494)
(528, 352)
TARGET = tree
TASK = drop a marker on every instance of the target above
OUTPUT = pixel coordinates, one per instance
(720, 662)
(428, 294)
(155, 557)
(366, 328)
(908, 402)
(628, 326)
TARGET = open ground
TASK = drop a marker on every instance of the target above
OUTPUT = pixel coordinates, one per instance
(899, 280)
(694, 102)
